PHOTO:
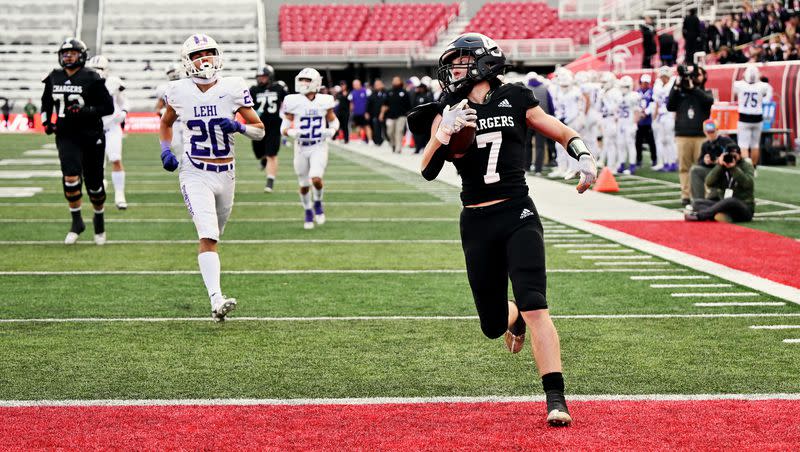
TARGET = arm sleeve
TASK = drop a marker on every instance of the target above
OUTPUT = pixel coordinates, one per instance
(706, 97)
(435, 165)
(47, 101)
(100, 99)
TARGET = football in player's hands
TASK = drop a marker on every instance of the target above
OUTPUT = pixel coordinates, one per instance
(461, 141)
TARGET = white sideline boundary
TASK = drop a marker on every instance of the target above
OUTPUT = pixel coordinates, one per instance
(563, 205)
(395, 400)
(387, 318)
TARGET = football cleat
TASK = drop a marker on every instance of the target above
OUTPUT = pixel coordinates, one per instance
(557, 412)
(308, 223)
(221, 307)
(319, 213)
(71, 238)
(100, 239)
(515, 336)
(556, 173)
(570, 175)
(120, 201)
(657, 167)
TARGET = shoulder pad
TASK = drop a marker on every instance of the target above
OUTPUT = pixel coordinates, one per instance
(421, 117)
(325, 101)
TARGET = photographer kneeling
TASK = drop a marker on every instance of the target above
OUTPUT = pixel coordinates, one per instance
(713, 147)
(692, 105)
(733, 177)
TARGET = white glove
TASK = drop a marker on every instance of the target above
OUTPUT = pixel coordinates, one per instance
(329, 132)
(119, 117)
(292, 133)
(454, 119)
(588, 169)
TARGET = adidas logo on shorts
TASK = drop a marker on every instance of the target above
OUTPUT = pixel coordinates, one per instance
(525, 214)
(504, 103)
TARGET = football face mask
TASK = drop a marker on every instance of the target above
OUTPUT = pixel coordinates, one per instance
(201, 57)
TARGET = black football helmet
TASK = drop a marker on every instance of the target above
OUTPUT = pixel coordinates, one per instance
(266, 70)
(489, 61)
(72, 44)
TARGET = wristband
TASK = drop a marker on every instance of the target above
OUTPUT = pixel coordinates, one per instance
(576, 148)
(165, 145)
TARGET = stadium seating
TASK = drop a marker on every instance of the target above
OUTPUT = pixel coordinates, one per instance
(149, 33)
(382, 22)
(527, 20)
(31, 33)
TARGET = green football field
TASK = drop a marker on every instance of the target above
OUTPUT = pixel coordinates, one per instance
(374, 303)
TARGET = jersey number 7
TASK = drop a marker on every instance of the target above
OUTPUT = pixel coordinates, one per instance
(495, 139)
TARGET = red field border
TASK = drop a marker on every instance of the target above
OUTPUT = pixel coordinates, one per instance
(749, 423)
(763, 254)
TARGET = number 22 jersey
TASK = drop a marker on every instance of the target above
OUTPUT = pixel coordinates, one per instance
(494, 165)
(309, 116)
(202, 114)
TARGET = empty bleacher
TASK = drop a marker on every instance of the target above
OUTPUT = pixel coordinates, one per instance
(149, 33)
(31, 33)
(528, 20)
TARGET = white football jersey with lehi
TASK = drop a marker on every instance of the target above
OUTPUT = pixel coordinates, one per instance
(309, 115)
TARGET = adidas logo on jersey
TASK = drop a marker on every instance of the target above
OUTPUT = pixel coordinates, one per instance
(504, 103)
(525, 214)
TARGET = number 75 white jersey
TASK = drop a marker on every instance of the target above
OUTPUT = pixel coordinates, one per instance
(309, 116)
(201, 114)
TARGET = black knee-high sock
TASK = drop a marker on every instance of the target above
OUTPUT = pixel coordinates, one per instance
(99, 222)
(77, 220)
(554, 381)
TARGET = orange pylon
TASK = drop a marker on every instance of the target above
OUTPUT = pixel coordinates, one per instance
(606, 182)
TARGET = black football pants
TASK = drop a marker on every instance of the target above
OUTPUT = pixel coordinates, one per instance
(504, 241)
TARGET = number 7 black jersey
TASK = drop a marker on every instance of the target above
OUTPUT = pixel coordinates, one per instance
(494, 166)
(268, 100)
(84, 88)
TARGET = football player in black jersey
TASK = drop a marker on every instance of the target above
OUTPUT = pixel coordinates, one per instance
(501, 233)
(268, 96)
(79, 97)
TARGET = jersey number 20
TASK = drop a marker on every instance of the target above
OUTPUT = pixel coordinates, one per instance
(208, 133)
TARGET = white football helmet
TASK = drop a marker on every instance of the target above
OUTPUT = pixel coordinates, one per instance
(646, 78)
(174, 71)
(751, 74)
(582, 77)
(196, 43)
(311, 81)
(626, 84)
(608, 79)
(564, 78)
(100, 64)
(665, 72)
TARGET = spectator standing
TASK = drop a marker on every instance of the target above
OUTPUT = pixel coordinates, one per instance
(540, 91)
(394, 111)
(422, 96)
(648, 30)
(30, 112)
(358, 110)
(644, 129)
(6, 110)
(374, 105)
(668, 49)
(691, 35)
(691, 103)
(714, 146)
(343, 111)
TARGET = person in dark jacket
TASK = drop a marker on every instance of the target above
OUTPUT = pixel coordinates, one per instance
(543, 144)
(691, 103)
(422, 95)
(714, 146)
(648, 30)
(692, 35)
(667, 48)
(374, 104)
(733, 176)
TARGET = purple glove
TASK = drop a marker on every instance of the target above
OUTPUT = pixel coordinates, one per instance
(231, 126)
(168, 159)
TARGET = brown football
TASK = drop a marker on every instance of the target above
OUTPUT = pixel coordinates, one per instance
(461, 141)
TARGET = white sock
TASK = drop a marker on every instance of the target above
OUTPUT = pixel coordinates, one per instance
(118, 179)
(317, 193)
(210, 269)
(305, 199)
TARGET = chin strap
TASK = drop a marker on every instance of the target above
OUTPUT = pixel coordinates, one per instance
(205, 81)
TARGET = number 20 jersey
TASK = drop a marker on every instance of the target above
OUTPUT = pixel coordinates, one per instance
(494, 165)
(309, 116)
(201, 114)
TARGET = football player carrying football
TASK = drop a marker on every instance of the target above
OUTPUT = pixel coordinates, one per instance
(501, 233)
(207, 105)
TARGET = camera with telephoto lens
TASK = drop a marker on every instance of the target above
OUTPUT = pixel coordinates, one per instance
(686, 76)
(730, 153)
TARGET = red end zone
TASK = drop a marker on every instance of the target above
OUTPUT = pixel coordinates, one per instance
(609, 425)
(767, 255)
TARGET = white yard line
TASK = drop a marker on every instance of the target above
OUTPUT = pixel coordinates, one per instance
(238, 242)
(246, 220)
(777, 213)
(601, 257)
(394, 400)
(791, 341)
(714, 294)
(654, 195)
(661, 277)
(611, 264)
(301, 272)
(775, 327)
(672, 286)
(740, 304)
(60, 205)
(594, 251)
(590, 245)
(386, 318)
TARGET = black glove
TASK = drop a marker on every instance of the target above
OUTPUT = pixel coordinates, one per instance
(49, 128)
